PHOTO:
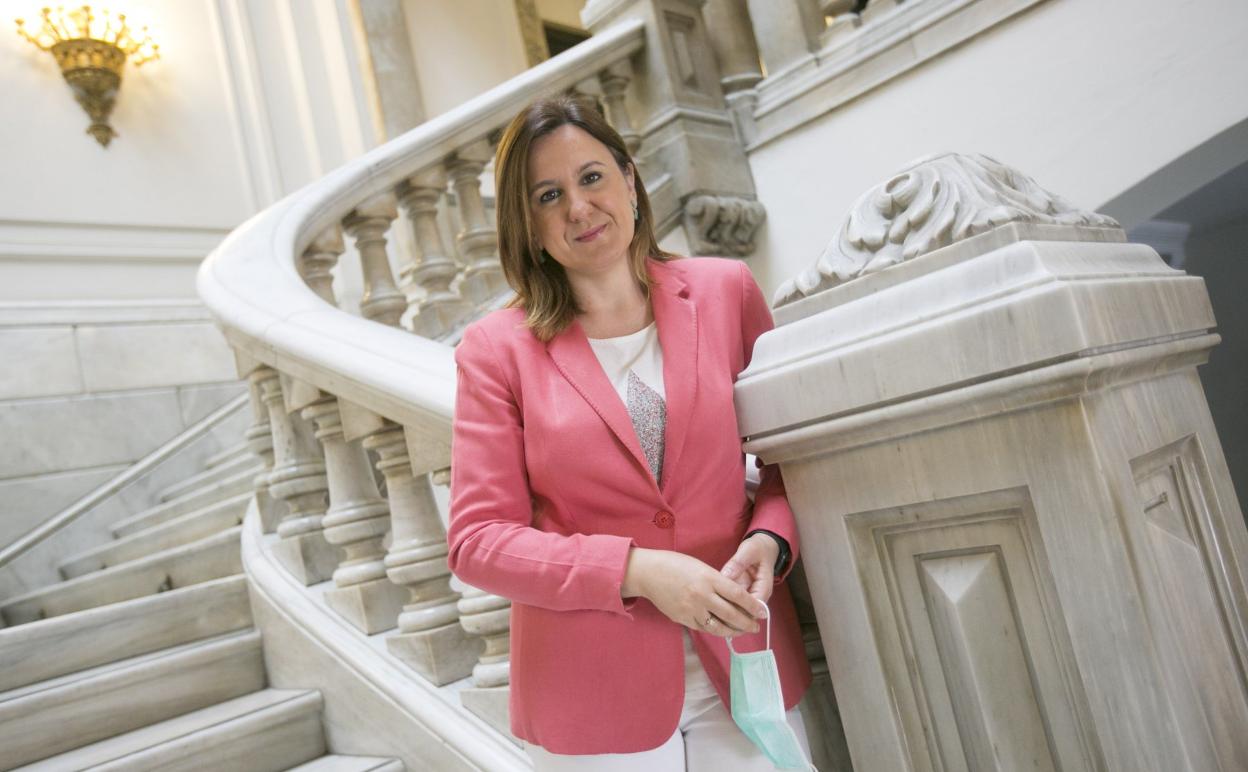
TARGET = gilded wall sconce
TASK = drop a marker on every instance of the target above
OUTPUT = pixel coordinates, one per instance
(91, 50)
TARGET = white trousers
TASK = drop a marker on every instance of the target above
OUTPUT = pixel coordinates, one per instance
(705, 740)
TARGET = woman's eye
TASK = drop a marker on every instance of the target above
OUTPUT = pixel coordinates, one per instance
(591, 177)
(547, 196)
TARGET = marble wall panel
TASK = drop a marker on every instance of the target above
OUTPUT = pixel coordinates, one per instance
(196, 402)
(90, 431)
(119, 357)
(38, 361)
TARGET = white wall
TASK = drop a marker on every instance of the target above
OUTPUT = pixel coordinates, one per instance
(463, 48)
(1087, 96)
(250, 100)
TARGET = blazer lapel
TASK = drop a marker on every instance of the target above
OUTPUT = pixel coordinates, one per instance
(677, 320)
(571, 353)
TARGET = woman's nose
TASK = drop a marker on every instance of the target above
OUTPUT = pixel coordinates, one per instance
(579, 207)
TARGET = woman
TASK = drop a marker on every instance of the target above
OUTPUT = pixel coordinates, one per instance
(597, 478)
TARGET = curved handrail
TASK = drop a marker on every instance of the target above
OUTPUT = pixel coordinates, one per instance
(251, 284)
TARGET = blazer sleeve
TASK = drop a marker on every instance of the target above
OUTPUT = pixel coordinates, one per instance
(771, 503)
(493, 545)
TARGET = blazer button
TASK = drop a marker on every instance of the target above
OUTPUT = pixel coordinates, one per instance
(664, 519)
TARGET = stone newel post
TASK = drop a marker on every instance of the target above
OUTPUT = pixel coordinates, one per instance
(1022, 543)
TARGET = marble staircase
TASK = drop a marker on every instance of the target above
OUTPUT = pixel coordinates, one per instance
(212, 493)
(146, 655)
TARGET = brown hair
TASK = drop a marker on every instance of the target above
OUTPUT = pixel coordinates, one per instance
(541, 285)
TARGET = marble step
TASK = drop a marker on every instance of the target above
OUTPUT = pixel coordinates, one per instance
(67, 644)
(225, 454)
(227, 468)
(183, 529)
(269, 729)
(209, 558)
(60, 714)
(336, 763)
(199, 498)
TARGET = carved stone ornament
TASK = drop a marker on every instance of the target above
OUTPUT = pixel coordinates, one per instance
(722, 225)
(936, 201)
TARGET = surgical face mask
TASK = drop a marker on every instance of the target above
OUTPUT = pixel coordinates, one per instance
(758, 705)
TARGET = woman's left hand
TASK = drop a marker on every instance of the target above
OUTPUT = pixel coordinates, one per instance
(751, 566)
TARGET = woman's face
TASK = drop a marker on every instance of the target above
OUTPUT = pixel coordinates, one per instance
(582, 203)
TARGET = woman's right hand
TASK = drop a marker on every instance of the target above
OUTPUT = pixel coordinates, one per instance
(690, 592)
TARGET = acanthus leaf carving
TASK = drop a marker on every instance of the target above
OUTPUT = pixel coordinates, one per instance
(934, 202)
(722, 225)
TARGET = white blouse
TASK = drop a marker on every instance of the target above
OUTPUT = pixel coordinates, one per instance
(634, 365)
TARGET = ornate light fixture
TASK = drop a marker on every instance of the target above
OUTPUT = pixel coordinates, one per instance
(91, 51)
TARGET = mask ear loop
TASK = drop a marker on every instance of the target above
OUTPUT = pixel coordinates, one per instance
(767, 614)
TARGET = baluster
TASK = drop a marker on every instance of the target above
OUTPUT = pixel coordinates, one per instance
(482, 279)
(588, 89)
(434, 271)
(736, 53)
(367, 224)
(614, 81)
(357, 521)
(298, 478)
(260, 439)
(317, 262)
(430, 638)
(488, 617)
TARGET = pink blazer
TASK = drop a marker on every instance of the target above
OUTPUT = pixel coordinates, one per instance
(550, 488)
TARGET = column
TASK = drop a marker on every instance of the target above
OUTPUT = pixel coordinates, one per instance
(395, 80)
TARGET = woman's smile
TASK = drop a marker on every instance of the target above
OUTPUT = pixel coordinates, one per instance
(592, 234)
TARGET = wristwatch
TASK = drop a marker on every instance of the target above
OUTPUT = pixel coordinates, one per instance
(782, 560)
